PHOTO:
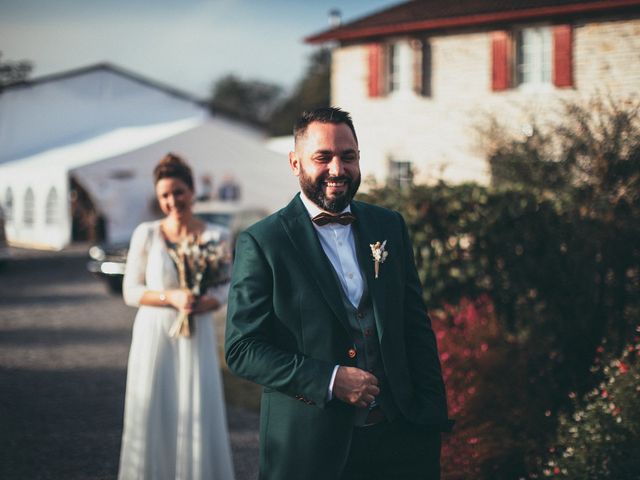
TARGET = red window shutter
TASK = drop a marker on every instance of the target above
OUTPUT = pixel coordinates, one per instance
(375, 69)
(501, 61)
(562, 56)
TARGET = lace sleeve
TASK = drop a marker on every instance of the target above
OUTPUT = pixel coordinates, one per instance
(134, 285)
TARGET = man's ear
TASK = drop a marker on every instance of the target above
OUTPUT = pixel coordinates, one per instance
(294, 163)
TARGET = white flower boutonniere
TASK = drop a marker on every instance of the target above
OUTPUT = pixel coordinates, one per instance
(379, 255)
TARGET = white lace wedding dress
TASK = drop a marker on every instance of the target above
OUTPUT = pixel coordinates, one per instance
(174, 419)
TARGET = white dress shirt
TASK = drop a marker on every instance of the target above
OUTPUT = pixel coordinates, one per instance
(340, 247)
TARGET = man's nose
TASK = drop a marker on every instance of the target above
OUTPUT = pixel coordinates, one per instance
(336, 167)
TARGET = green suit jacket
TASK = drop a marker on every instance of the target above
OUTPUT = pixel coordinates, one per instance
(287, 329)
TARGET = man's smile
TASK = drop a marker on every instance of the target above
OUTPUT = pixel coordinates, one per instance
(336, 185)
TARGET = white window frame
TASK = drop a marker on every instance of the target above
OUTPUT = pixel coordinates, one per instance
(400, 173)
(399, 67)
(533, 67)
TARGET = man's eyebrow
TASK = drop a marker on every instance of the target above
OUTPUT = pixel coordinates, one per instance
(346, 150)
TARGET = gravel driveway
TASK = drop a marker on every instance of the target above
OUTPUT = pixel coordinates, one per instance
(64, 343)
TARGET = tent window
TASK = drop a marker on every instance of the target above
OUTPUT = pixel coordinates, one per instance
(51, 209)
(8, 204)
(28, 217)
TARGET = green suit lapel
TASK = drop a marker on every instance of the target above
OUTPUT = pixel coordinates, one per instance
(296, 222)
(367, 230)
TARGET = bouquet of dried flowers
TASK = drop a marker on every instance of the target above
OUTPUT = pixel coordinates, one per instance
(199, 266)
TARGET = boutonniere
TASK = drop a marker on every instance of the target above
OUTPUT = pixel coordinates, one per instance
(379, 255)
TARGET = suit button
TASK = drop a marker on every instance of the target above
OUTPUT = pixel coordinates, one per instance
(368, 332)
(351, 353)
(360, 315)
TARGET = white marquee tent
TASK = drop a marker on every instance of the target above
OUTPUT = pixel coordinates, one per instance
(108, 147)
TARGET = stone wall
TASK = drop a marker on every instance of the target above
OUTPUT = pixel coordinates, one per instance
(438, 133)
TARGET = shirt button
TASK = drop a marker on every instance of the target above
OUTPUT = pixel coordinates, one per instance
(340, 243)
(350, 275)
(351, 353)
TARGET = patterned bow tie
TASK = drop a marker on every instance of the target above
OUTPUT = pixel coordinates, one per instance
(322, 219)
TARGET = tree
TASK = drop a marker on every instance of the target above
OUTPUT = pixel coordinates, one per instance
(263, 103)
(13, 72)
(248, 100)
(313, 91)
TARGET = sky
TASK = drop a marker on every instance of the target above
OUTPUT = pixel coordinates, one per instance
(187, 44)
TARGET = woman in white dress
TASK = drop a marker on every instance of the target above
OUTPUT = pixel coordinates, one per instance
(174, 420)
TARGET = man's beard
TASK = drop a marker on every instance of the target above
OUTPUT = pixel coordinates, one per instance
(315, 191)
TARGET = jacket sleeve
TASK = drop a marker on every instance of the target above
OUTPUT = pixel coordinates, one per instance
(251, 349)
(422, 349)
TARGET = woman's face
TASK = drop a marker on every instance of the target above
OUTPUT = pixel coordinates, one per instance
(175, 197)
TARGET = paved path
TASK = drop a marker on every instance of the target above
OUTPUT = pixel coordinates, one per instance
(64, 343)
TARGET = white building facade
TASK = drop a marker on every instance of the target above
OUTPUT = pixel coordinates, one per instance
(422, 77)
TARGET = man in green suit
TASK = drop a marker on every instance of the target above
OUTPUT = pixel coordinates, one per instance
(326, 312)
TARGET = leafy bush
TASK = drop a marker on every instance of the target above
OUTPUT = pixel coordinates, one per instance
(497, 412)
(601, 439)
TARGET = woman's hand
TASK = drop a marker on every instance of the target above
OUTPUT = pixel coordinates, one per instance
(205, 304)
(181, 299)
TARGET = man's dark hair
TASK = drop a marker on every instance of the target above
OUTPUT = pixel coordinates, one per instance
(323, 115)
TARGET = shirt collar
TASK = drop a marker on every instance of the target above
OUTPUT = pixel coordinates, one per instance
(313, 209)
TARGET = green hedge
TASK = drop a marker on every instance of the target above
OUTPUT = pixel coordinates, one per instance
(558, 278)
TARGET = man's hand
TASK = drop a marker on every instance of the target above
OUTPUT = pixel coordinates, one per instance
(355, 387)
(205, 303)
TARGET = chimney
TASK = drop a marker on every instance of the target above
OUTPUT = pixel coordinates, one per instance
(335, 18)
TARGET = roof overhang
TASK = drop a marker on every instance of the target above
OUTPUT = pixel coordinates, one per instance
(345, 33)
(100, 147)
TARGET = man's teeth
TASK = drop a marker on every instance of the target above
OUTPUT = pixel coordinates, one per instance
(335, 184)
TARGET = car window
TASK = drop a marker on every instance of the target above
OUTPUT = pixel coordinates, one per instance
(215, 218)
